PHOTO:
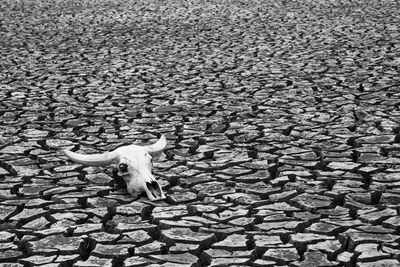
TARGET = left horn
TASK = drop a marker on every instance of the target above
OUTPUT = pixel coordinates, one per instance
(158, 146)
(92, 159)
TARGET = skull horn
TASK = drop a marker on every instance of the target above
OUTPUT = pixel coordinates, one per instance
(92, 159)
(158, 146)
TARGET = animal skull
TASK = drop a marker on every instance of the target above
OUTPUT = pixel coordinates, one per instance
(134, 165)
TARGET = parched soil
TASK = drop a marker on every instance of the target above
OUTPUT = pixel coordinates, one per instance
(282, 118)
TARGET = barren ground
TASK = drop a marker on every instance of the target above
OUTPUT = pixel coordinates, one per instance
(282, 119)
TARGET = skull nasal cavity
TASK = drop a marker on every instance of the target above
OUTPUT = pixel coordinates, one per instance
(123, 167)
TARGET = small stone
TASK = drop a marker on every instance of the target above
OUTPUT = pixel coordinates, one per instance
(198, 219)
(35, 134)
(194, 180)
(392, 223)
(377, 229)
(259, 188)
(10, 255)
(232, 242)
(375, 217)
(307, 216)
(213, 189)
(10, 264)
(127, 219)
(302, 239)
(183, 258)
(67, 259)
(357, 237)
(330, 247)
(284, 196)
(182, 247)
(365, 198)
(345, 222)
(229, 262)
(58, 190)
(390, 198)
(376, 139)
(370, 158)
(72, 181)
(386, 177)
(200, 208)
(94, 261)
(113, 250)
(128, 227)
(324, 228)
(104, 238)
(222, 230)
(379, 263)
(135, 261)
(26, 171)
(152, 248)
(3, 172)
(173, 212)
(52, 244)
(37, 224)
(37, 203)
(314, 258)
(14, 150)
(101, 202)
(182, 198)
(8, 246)
(280, 181)
(29, 214)
(138, 237)
(291, 225)
(38, 260)
(281, 255)
(312, 202)
(345, 166)
(184, 235)
(369, 252)
(244, 199)
(58, 143)
(34, 191)
(99, 179)
(279, 206)
(264, 242)
(166, 224)
(66, 168)
(70, 216)
(222, 253)
(264, 263)
(227, 215)
(6, 236)
(134, 208)
(245, 222)
(87, 228)
(392, 249)
(345, 258)
(52, 231)
(368, 170)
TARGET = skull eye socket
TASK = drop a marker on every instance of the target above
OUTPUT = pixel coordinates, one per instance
(123, 168)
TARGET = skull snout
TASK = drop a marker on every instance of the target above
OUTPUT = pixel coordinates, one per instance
(154, 189)
(144, 183)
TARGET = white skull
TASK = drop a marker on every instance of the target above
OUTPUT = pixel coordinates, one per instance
(134, 164)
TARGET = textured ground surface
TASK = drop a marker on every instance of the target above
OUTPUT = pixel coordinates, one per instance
(282, 119)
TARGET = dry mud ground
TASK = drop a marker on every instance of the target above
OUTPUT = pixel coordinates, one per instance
(282, 119)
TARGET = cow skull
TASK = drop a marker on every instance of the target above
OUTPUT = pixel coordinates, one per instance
(134, 166)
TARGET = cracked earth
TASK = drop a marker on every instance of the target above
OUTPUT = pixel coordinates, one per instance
(282, 119)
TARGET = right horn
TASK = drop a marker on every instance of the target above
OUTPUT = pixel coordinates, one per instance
(103, 159)
(157, 147)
